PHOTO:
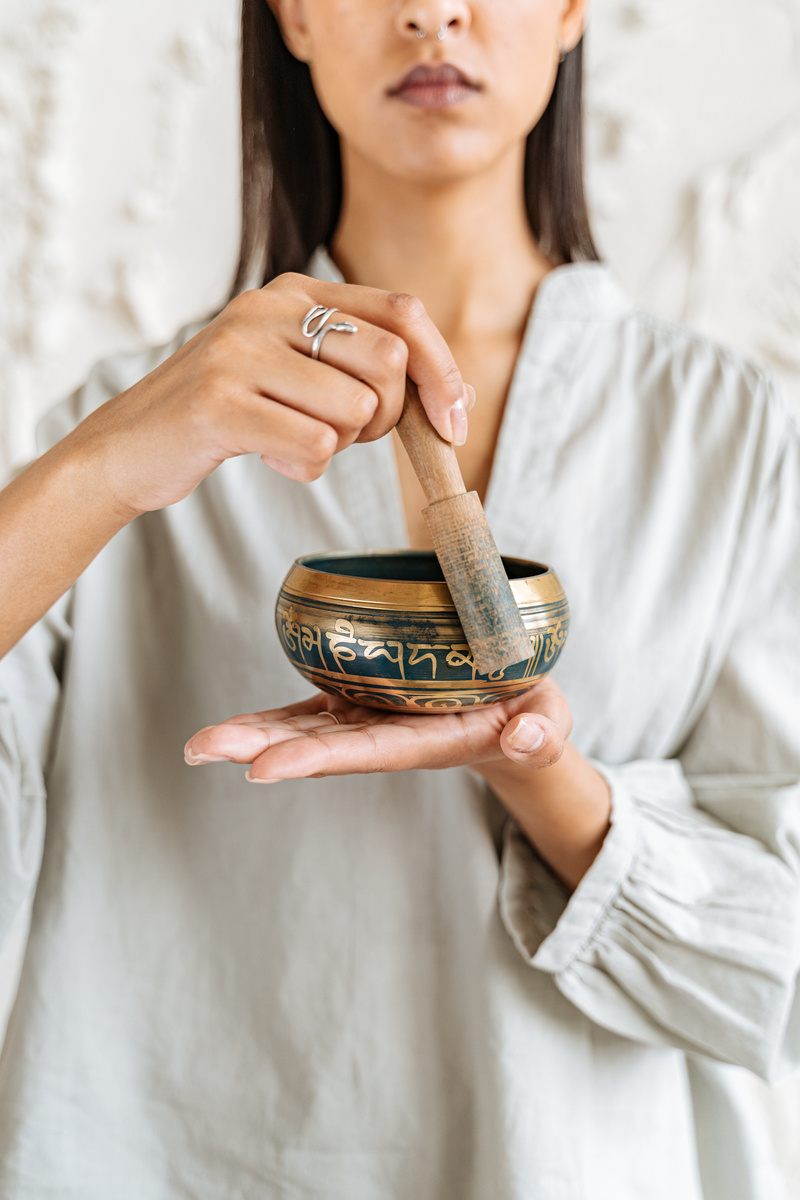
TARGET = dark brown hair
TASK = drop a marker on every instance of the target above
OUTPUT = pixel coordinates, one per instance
(292, 171)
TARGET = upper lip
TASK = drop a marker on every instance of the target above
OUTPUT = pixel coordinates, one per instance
(432, 75)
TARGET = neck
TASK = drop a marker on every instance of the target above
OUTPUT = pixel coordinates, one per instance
(465, 248)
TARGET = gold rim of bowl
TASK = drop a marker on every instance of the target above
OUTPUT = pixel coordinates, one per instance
(404, 594)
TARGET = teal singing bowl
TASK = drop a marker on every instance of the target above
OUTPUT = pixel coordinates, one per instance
(379, 628)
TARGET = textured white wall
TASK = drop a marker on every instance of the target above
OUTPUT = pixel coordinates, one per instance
(118, 185)
(119, 195)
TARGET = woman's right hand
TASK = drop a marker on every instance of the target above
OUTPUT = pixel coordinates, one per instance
(246, 384)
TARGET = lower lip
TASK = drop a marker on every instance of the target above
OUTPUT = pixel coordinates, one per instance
(435, 96)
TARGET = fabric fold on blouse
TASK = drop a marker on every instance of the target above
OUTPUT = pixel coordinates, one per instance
(684, 932)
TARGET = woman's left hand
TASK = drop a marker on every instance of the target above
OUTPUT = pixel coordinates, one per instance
(304, 739)
(520, 747)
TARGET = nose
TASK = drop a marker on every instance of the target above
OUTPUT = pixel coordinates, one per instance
(437, 19)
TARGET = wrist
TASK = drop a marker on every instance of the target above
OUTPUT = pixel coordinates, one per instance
(54, 518)
(88, 462)
(564, 810)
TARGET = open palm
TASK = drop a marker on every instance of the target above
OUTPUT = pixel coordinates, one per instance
(324, 735)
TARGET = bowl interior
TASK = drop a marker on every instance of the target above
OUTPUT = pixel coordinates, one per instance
(404, 566)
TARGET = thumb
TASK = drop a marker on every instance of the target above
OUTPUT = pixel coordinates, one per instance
(533, 740)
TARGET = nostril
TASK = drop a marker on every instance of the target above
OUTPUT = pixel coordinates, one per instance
(450, 28)
(421, 29)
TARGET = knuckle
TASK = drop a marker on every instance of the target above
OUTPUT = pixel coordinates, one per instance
(243, 303)
(450, 374)
(308, 472)
(321, 446)
(240, 311)
(304, 472)
(293, 279)
(379, 760)
(393, 354)
(363, 407)
(290, 284)
(406, 307)
(222, 342)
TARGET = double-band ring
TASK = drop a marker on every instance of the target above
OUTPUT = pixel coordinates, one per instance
(327, 713)
(314, 326)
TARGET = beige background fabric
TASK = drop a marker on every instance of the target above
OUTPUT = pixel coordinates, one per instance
(119, 193)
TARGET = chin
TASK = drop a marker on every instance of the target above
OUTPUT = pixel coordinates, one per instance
(438, 158)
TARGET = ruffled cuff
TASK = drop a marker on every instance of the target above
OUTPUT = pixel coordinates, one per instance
(545, 923)
(683, 932)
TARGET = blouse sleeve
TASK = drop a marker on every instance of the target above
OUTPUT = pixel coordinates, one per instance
(29, 702)
(30, 674)
(686, 929)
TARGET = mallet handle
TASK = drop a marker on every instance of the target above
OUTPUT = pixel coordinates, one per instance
(464, 545)
(433, 459)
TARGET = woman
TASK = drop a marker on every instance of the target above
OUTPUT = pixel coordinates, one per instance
(318, 991)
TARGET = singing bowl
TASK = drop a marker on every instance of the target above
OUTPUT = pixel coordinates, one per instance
(378, 628)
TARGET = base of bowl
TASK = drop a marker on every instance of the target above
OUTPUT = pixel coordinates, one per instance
(400, 698)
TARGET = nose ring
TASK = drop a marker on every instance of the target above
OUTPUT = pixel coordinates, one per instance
(441, 33)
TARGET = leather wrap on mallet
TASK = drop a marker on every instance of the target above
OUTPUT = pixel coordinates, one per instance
(464, 545)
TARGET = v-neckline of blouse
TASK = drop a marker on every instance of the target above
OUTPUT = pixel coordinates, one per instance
(571, 291)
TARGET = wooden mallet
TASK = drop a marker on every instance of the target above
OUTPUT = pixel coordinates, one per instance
(464, 545)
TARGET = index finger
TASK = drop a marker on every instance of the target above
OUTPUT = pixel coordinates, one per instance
(430, 362)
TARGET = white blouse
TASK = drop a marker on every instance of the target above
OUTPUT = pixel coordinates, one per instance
(371, 988)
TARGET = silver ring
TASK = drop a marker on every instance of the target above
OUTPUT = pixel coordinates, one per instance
(314, 326)
(341, 327)
(318, 313)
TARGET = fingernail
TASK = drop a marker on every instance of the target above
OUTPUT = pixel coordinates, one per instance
(252, 779)
(527, 737)
(195, 760)
(470, 397)
(458, 421)
(280, 465)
